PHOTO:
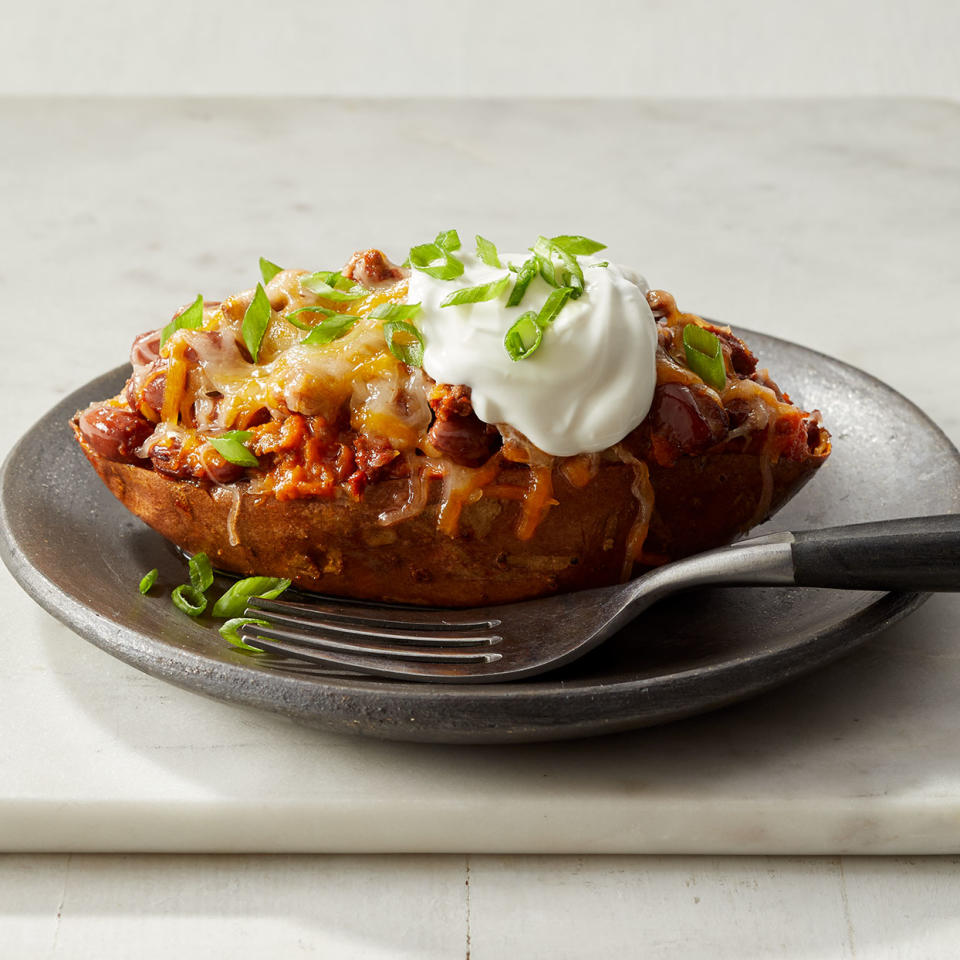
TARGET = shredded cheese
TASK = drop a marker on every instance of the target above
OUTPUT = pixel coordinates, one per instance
(358, 388)
(643, 493)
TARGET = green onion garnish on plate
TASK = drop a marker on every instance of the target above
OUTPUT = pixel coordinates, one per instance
(234, 601)
(149, 579)
(189, 600)
(201, 572)
(230, 631)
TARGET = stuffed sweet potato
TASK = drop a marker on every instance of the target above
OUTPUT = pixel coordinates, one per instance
(294, 431)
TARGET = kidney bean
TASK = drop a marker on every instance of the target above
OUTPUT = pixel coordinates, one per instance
(257, 418)
(213, 337)
(741, 357)
(219, 469)
(467, 440)
(167, 458)
(145, 349)
(155, 385)
(113, 433)
(149, 386)
(690, 418)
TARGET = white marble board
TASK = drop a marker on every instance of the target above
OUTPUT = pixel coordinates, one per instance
(833, 224)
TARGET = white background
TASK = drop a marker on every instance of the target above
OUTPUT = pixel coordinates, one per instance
(546, 48)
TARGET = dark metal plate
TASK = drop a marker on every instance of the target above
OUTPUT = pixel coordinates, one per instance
(80, 555)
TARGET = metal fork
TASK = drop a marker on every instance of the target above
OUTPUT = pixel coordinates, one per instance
(507, 642)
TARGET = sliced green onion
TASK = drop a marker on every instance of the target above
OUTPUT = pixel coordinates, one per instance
(435, 261)
(553, 305)
(242, 435)
(201, 572)
(448, 240)
(544, 250)
(234, 601)
(187, 599)
(268, 270)
(524, 337)
(558, 267)
(527, 271)
(338, 280)
(395, 311)
(577, 246)
(256, 319)
(324, 284)
(602, 263)
(485, 291)
(487, 252)
(233, 450)
(230, 631)
(704, 355)
(333, 328)
(149, 579)
(300, 325)
(404, 342)
(189, 319)
(333, 278)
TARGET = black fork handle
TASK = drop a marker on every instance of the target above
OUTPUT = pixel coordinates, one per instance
(919, 553)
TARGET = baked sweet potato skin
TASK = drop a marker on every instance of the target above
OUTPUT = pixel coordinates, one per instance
(337, 546)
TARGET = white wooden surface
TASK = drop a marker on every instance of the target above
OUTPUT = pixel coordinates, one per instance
(85, 907)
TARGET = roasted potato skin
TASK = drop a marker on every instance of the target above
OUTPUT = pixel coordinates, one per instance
(337, 546)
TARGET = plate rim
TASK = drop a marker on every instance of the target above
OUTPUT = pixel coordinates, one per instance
(154, 656)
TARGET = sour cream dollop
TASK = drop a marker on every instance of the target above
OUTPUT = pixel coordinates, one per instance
(587, 386)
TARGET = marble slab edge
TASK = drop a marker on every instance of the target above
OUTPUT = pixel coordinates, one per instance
(853, 826)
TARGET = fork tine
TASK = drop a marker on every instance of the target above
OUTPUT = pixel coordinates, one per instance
(377, 616)
(310, 625)
(323, 649)
(377, 666)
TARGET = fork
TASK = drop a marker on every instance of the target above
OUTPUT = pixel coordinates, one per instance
(510, 641)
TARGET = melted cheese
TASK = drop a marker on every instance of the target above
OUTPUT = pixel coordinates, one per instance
(212, 386)
(643, 493)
